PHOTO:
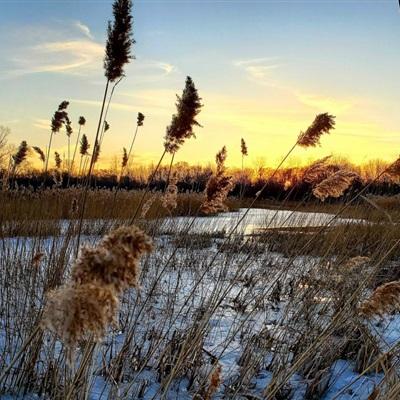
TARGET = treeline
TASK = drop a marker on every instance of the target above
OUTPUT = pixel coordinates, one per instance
(288, 184)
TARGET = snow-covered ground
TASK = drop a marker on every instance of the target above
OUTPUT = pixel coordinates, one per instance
(181, 282)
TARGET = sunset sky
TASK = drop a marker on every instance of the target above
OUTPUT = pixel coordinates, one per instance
(263, 68)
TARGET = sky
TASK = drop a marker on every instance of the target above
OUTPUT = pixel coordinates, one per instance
(263, 68)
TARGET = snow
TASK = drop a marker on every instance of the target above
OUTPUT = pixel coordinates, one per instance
(344, 382)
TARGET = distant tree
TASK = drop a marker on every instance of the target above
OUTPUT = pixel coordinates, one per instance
(4, 148)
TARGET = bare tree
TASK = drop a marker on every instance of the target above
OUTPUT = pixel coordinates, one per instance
(4, 148)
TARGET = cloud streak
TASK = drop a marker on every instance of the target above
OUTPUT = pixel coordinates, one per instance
(84, 29)
(72, 56)
(258, 69)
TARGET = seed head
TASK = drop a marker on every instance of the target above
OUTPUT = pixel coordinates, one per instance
(140, 119)
(169, 200)
(82, 121)
(181, 127)
(317, 171)
(124, 158)
(322, 123)
(119, 41)
(21, 153)
(74, 312)
(115, 261)
(40, 152)
(243, 147)
(96, 152)
(384, 299)
(83, 150)
(57, 159)
(394, 169)
(218, 187)
(60, 117)
(335, 185)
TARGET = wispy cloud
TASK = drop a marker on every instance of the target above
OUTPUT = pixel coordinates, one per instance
(73, 56)
(84, 29)
(41, 123)
(258, 69)
(324, 103)
(66, 49)
(156, 102)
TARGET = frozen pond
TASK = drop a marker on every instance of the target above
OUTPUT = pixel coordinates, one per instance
(254, 220)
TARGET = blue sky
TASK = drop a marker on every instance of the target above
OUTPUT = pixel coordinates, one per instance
(263, 68)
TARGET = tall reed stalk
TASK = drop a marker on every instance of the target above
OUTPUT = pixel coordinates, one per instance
(180, 129)
(59, 119)
(117, 54)
(81, 122)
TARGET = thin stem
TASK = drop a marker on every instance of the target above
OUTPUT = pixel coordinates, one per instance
(130, 150)
(48, 152)
(22, 349)
(85, 193)
(169, 171)
(107, 108)
(71, 167)
(147, 189)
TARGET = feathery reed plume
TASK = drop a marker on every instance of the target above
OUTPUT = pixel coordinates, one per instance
(181, 127)
(317, 171)
(140, 119)
(59, 119)
(218, 187)
(39, 151)
(81, 122)
(335, 185)
(244, 151)
(114, 261)
(74, 312)
(57, 160)
(220, 159)
(384, 299)
(68, 128)
(106, 126)
(21, 154)
(124, 162)
(96, 152)
(169, 200)
(147, 205)
(243, 147)
(394, 169)
(119, 41)
(322, 123)
(83, 150)
(88, 304)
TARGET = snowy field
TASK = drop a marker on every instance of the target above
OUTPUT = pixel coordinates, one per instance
(233, 307)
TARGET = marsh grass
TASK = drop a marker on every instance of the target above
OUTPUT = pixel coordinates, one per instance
(214, 314)
(173, 330)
